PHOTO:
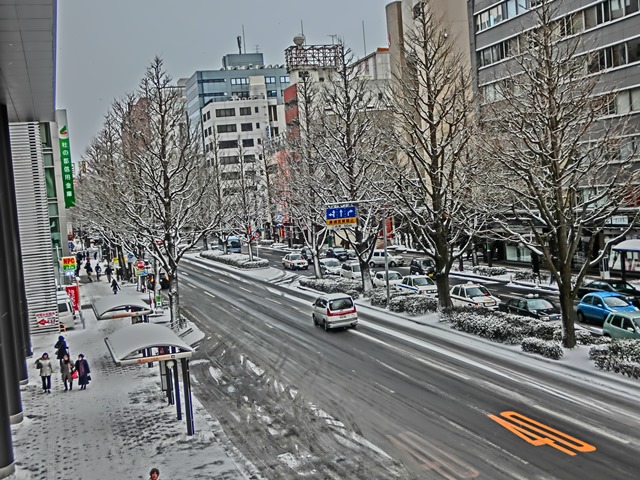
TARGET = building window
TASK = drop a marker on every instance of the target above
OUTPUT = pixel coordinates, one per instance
(245, 110)
(246, 127)
(272, 93)
(225, 112)
(285, 79)
(50, 181)
(229, 160)
(247, 142)
(45, 134)
(273, 113)
(230, 175)
(631, 6)
(256, 109)
(240, 81)
(275, 131)
(269, 80)
(226, 144)
(48, 159)
(257, 126)
(633, 50)
(227, 128)
(249, 158)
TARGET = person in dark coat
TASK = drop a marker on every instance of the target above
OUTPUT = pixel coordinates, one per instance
(66, 370)
(61, 348)
(114, 286)
(82, 366)
(88, 268)
(108, 272)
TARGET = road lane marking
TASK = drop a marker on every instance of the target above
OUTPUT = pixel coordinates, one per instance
(223, 281)
(539, 434)
(431, 457)
(245, 289)
(210, 294)
(274, 301)
(184, 273)
(191, 284)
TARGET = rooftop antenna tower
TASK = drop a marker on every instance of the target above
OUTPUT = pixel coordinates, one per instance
(364, 39)
(239, 40)
(301, 27)
(244, 41)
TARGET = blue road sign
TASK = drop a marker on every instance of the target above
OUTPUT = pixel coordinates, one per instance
(336, 213)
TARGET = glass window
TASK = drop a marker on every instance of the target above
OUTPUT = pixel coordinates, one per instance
(510, 9)
(225, 112)
(225, 144)
(53, 209)
(631, 6)
(269, 80)
(272, 93)
(285, 79)
(256, 109)
(48, 159)
(633, 50)
(616, 321)
(245, 110)
(635, 100)
(227, 128)
(45, 134)
(50, 180)
(247, 142)
(257, 125)
(246, 127)
(616, 9)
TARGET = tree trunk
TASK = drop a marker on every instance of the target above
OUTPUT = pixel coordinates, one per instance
(367, 285)
(174, 302)
(442, 282)
(566, 305)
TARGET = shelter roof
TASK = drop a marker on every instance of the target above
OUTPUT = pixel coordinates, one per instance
(628, 246)
(133, 305)
(127, 343)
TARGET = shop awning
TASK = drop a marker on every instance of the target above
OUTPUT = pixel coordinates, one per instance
(627, 246)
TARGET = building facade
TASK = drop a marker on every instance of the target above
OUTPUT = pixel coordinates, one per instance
(607, 38)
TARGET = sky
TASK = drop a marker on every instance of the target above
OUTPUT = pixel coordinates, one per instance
(103, 47)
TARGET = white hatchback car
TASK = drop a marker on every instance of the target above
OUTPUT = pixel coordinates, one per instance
(334, 310)
(377, 259)
(351, 270)
(473, 295)
(394, 279)
(420, 284)
(294, 261)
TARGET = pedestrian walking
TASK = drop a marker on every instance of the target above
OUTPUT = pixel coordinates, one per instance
(89, 269)
(98, 271)
(108, 272)
(62, 348)
(114, 286)
(154, 474)
(84, 377)
(68, 372)
(46, 369)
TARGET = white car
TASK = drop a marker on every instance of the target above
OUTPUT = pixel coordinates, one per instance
(420, 284)
(294, 261)
(473, 295)
(351, 270)
(334, 310)
(377, 259)
(394, 279)
(330, 266)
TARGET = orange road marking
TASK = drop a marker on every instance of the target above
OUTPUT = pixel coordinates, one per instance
(539, 434)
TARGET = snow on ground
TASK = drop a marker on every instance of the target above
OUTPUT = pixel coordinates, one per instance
(119, 427)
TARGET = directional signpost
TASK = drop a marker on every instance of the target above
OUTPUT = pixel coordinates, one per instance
(345, 216)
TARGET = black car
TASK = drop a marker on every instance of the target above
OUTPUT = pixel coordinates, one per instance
(530, 306)
(422, 266)
(339, 253)
(611, 285)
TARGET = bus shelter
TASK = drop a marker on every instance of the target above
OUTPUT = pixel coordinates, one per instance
(142, 343)
(622, 248)
(121, 306)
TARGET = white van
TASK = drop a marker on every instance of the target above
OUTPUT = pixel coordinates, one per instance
(66, 314)
(377, 259)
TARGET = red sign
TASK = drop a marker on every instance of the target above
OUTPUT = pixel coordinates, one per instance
(257, 235)
(140, 265)
(74, 294)
(46, 318)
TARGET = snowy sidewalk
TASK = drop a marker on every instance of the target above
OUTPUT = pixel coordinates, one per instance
(121, 426)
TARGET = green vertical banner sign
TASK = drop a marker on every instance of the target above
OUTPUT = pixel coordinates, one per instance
(65, 158)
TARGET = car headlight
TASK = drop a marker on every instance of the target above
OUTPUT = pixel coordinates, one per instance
(545, 318)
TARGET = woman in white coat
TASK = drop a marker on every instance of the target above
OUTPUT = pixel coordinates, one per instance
(46, 369)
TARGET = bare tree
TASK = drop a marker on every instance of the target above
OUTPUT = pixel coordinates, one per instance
(434, 125)
(158, 177)
(353, 143)
(557, 155)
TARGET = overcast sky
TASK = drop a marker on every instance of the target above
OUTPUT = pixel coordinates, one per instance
(103, 46)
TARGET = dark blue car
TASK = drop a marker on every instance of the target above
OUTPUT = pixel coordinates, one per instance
(595, 307)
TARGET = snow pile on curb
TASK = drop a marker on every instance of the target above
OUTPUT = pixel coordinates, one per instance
(619, 356)
(403, 302)
(545, 348)
(485, 271)
(496, 326)
(234, 259)
(333, 285)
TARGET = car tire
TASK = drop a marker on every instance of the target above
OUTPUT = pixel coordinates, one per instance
(582, 318)
(315, 322)
(392, 264)
(307, 267)
(354, 326)
(326, 326)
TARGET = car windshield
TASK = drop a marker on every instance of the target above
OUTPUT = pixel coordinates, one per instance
(341, 304)
(615, 302)
(477, 292)
(540, 304)
(62, 307)
(295, 256)
(332, 263)
(622, 286)
(395, 276)
(355, 267)
(422, 282)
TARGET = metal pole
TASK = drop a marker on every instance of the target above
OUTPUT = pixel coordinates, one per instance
(386, 259)
(177, 387)
(188, 405)
(169, 384)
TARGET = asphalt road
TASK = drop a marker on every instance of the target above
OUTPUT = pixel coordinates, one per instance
(385, 401)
